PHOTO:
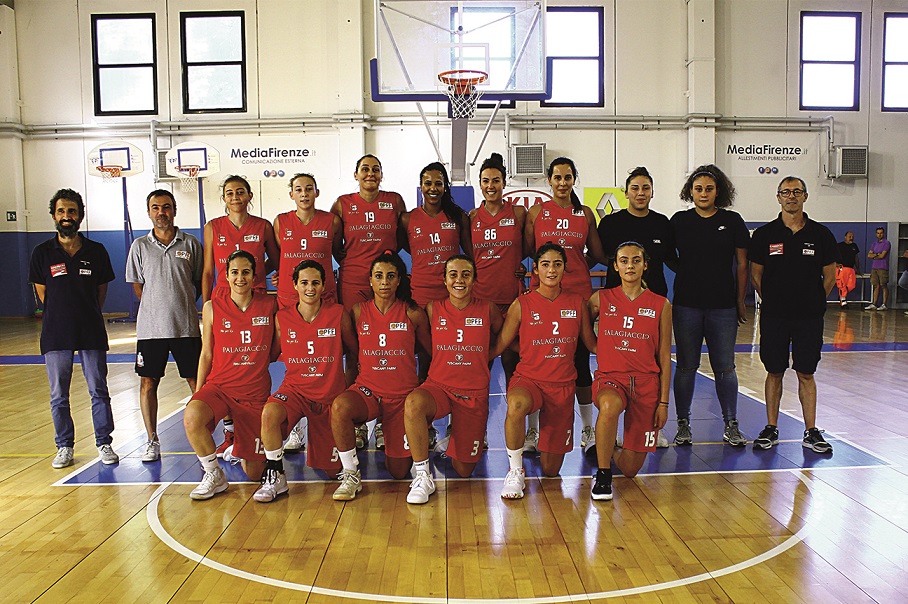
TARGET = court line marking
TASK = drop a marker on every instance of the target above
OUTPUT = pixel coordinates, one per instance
(154, 522)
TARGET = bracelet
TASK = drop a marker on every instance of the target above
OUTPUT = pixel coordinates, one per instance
(661, 403)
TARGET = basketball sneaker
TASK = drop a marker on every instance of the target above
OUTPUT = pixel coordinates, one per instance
(351, 484)
(684, 436)
(274, 483)
(296, 441)
(63, 458)
(602, 486)
(813, 439)
(107, 455)
(213, 482)
(882, 307)
(514, 484)
(588, 439)
(379, 438)
(441, 447)
(532, 441)
(661, 440)
(228, 442)
(421, 487)
(362, 436)
(733, 435)
(870, 307)
(152, 451)
(768, 438)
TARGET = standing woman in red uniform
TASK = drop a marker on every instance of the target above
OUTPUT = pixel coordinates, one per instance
(550, 323)
(463, 329)
(239, 341)
(569, 223)
(388, 327)
(496, 230)
(634, 373)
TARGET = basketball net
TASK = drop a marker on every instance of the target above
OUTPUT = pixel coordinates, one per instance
(462, 91)
(188, 178)
(109, 173)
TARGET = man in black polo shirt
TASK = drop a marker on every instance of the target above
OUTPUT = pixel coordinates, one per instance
(793, 264)
(71, 273)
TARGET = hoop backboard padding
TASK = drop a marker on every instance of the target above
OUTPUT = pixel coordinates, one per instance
(115, 159)
(415, 41)
(204, 159)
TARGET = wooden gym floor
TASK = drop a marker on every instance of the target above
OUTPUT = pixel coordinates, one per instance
(702, 523)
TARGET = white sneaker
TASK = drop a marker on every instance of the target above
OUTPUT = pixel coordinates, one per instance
(661, 440)
(379, 437)
(63, 458)
(152, 451)
(229, 457)
(532, 441)
(870, 307)
(107, 455)
(442, 446)
(350, 485)
(882, 307)
(362, 436)
(514, 484)
(213, 482)
(274, 483)
(587, 439)
(296, 442)
(421, 487)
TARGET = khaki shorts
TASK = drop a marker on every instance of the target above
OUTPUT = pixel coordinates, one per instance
(879, 276)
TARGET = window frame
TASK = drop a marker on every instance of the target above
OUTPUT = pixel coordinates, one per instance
(480, 104)
(185, 64)
(599, 11)
(97, 67)
(883, 107)
(858, 16)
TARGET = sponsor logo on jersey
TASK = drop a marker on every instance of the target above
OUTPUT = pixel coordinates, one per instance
(327, 332)
(473, 322)
(505, 222)
(568, 314)
(385, 205)
(561, 241)
(280, 396)
(417, 230)
(722, 227)
(611, 308)
(87, 271)
(805, 252)
(556, 349)
(353, 207)
(313, 368)
(646, 312)
(226, 324)
(245, 358)
(288, 233)
(657, 241)
(545, 213)
(442, 321)
(535, 316)
(776, 249)
(364, 327)
(383, 362)
(222, 239)
(365, 391)
(448, 226)
(577, 212)
(320, 234)
(251, 238)
(261, 320)
(183, 255)
(291, 334)
(458, 357)
(397, 327)
(57, 270)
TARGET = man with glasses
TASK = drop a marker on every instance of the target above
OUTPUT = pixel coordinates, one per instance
(879, 270)
(793, 265)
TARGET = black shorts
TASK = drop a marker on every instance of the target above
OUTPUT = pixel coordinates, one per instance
(151, 356)
(803, 337)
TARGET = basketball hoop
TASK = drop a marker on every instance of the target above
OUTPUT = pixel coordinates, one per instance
(109, 173)
(462, 90)
(188, 176)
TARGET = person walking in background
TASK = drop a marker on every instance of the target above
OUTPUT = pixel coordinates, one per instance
(845, 277)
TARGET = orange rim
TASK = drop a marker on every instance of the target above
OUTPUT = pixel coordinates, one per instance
(462, 79)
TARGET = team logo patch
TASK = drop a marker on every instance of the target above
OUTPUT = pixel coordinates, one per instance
(57, 269)
(288, 233)
(776, 249)
(804, 252)
(183, 255)
(353, 208)
(327, 332)
(291, 334)
(364, 327)
(87, 271)
(646, 312)
(473, 322)
(568, 314)
(251, 238)
(226, 324)
(222, 239)
(442, 321)
(320, 234)
(611, 308)
(535, 316)
(280, 396)
(261, 320)
(385, 205)
(504, 222)
(448, 226)
(545, 213)
(417, 230)
(398, 327)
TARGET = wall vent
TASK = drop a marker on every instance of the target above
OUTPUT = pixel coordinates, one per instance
(851, 161)
(528, 160)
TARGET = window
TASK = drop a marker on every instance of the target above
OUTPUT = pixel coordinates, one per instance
(124, 64)
(469, 52)
(895, 62)
(214, 62)
(830, 61)
(575, 49)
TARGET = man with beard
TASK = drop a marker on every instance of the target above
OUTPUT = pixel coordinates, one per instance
(71, 273)
(165, 269)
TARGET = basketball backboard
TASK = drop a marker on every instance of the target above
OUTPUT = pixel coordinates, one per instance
(417, 40)
(115, 159)
(193, 160)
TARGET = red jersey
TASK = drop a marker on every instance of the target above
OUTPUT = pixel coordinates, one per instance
(498, 251)
(387, 350)
(549, 330)
(305, 242)
(432, 242)
(628, 332)
(568, 228)
(460, 345)
(242, 347)
(313, 352)
(227, 239)
(369, 229)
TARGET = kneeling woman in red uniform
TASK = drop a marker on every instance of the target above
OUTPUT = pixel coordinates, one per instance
(463, 329)
(634, 373)
(238, 344)
(549, 323)
(314, 335)
(388, 327)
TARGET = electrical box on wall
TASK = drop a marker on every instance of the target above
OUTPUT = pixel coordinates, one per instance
(850, 162)
(528, 160)
(161, 174)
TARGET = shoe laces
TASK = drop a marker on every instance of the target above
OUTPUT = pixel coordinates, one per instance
(419, 481)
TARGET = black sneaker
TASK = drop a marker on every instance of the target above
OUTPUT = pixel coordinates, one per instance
(768, 438)
(813, 439)
(602, 486)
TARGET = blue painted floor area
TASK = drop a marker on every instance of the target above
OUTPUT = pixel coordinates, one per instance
(708, 454)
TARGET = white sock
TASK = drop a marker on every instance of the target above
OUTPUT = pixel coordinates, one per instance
(274, 455)
(421, 466)
(533, 421)
(349, 460)
(228, 425)
(515, 458)
(586, 415)
(209, 462)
